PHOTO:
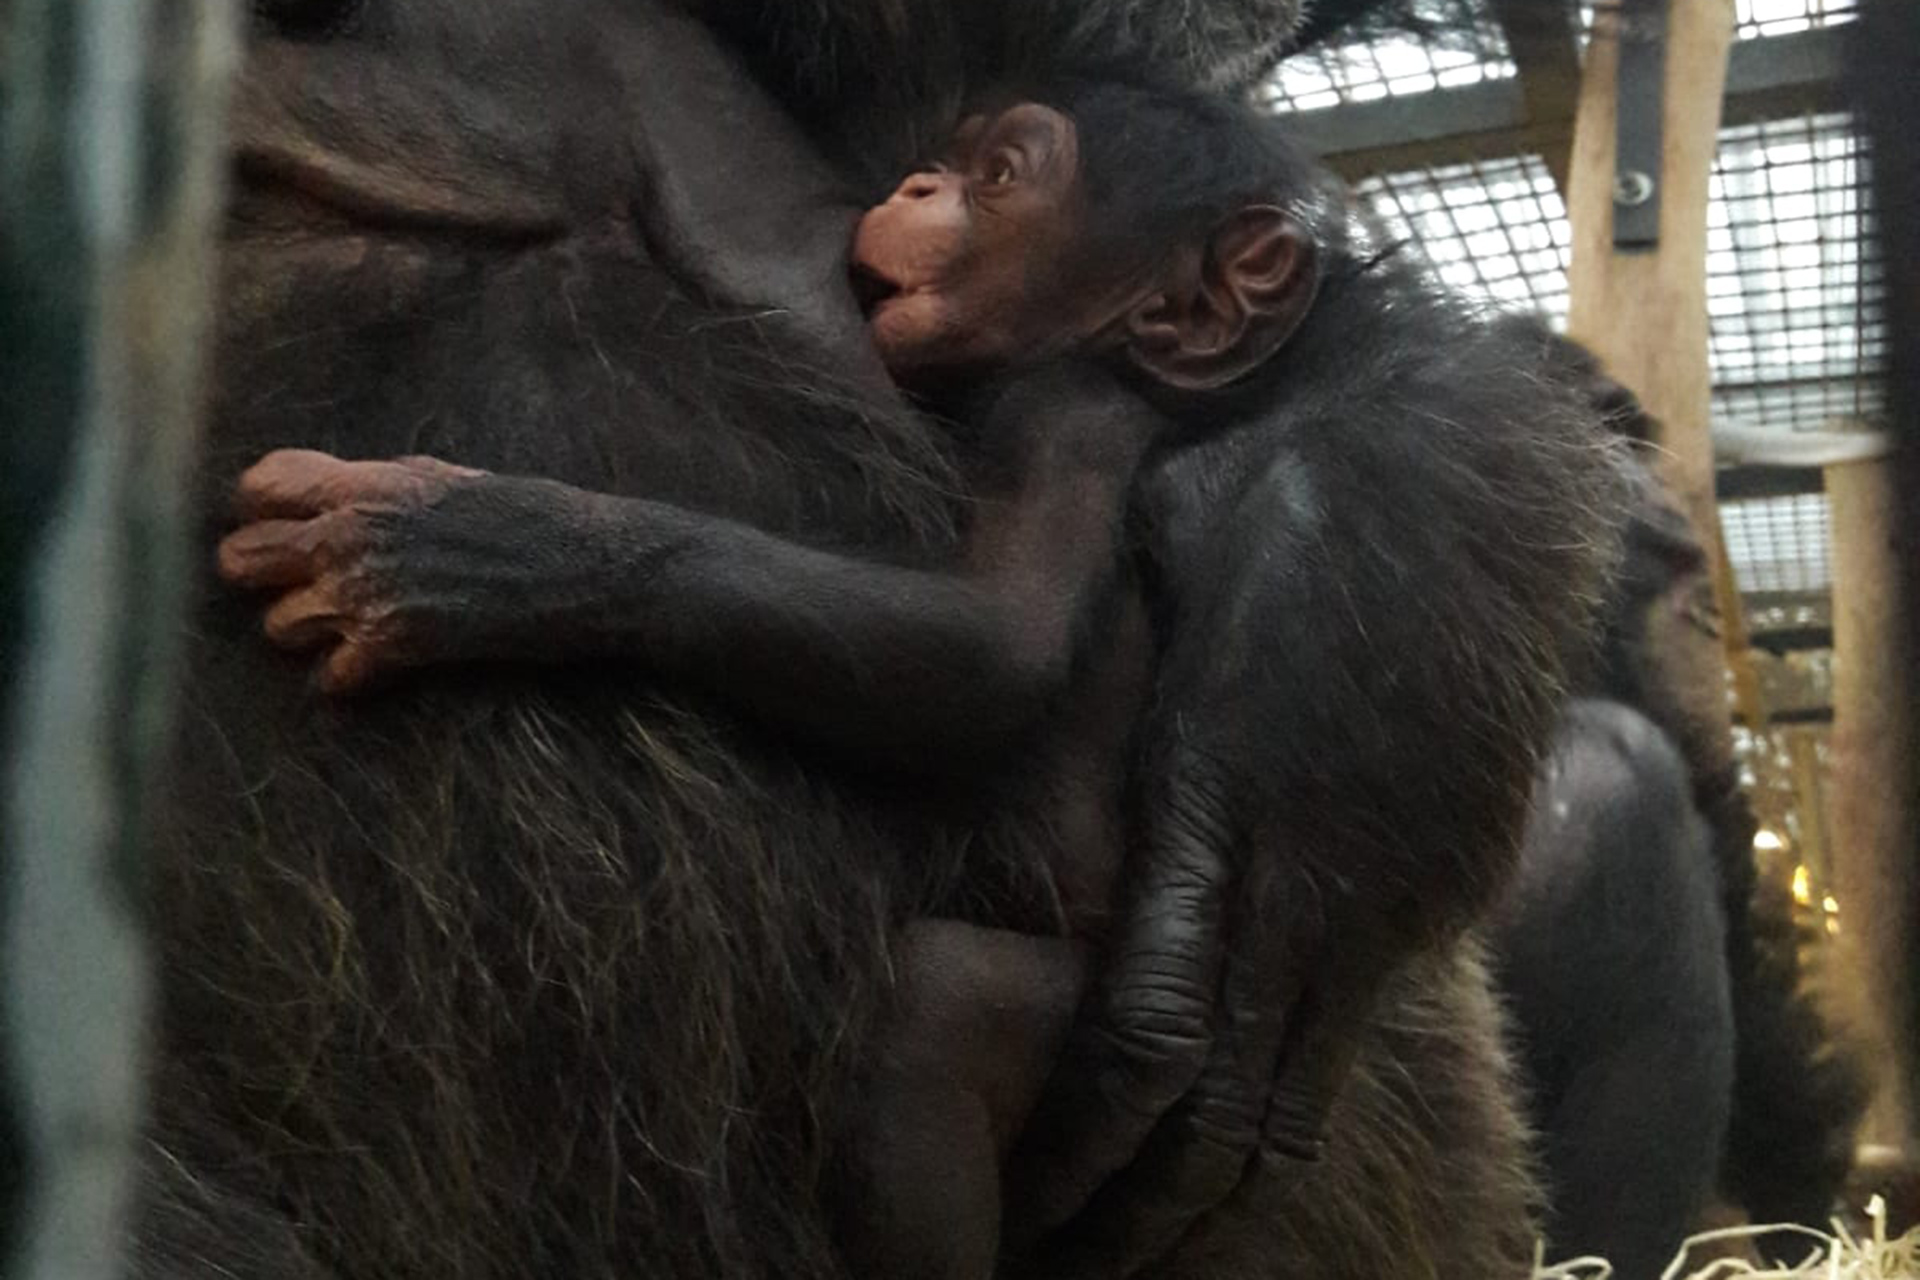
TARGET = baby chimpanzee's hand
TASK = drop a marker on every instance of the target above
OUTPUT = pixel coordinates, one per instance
(349, 547)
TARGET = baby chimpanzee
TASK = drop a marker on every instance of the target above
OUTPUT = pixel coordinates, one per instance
(1319, 669)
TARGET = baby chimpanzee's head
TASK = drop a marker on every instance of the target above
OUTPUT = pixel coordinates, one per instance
(1167, 229)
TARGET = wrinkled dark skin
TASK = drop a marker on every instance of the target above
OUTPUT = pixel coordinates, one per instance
(1301, 841)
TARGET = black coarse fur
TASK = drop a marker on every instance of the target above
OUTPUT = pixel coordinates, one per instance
(508, 974)
(1212, 156)
(838, 63)
(1799, 1092)
(1457, 24)
(560, 973)
(505, 975)
(841, 59)
(1441, 487)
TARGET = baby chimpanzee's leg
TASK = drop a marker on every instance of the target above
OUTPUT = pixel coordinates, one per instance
(982, 1022)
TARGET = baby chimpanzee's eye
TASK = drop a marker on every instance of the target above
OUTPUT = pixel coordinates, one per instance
(1001, 169)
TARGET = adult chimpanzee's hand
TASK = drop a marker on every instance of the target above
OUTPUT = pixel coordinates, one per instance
(1276, 870)
(374, 562)
(1203, 1051)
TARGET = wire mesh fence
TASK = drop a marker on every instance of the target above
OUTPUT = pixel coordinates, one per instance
(1794, 288)
(1794, 295)
(1793, 283)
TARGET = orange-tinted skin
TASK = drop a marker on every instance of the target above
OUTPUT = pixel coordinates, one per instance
(965, 257)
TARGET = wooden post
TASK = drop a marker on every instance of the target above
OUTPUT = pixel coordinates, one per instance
(110, 170)
(1645, 312)
(1871, 813)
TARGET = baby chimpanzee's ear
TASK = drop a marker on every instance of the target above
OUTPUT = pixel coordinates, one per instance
(1230, 307)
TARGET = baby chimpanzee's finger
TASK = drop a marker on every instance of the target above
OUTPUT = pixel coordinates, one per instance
(352, 666)
(268, 553)
(1327, 1024)
(289, 484)
(1319, 1060)
(305, 619)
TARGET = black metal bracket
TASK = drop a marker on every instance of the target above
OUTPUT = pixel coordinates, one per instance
(1638, 105)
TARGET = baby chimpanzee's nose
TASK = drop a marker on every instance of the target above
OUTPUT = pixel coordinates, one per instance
(919, 186)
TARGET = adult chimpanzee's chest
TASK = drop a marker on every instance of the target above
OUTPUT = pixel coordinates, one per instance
(453, 904)
(581, 361)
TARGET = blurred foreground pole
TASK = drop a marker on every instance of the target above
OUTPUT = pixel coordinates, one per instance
(1872, 814)
(1883, 70)
(110, 168)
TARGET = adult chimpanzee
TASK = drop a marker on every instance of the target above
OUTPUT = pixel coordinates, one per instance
(1221, 289)
(1612, 956)
(1637, 948)
(525, 972)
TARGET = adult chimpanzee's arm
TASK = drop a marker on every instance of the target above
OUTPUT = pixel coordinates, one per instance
(1366, 608)
(399, 564)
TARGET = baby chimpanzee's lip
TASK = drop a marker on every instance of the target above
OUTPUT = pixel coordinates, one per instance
(871, 287)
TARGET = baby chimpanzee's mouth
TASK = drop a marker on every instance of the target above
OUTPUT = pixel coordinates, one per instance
(871, 288)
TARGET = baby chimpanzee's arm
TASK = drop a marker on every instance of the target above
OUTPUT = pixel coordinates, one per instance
(387, 565)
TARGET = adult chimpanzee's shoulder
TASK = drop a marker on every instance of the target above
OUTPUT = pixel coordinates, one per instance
(836, 47)
(877, 79)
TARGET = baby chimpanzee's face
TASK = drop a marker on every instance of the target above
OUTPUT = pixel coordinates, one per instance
(962, 267)
(983, 261)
